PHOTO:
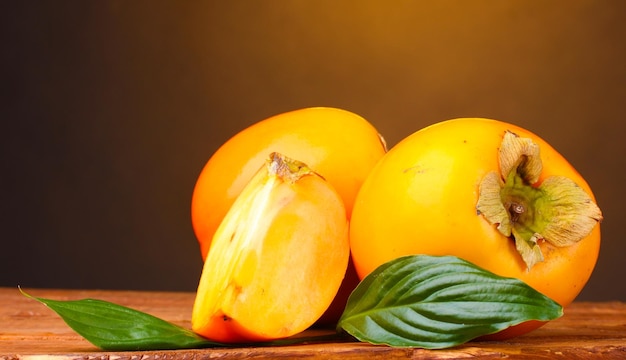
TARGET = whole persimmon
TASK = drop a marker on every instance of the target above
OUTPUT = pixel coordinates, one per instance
(337, 144)
(277, 259)
(486, 191)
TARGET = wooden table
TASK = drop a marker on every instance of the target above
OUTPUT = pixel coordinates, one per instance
(29, 330)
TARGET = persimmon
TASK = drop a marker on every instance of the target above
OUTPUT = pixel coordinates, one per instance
(339, 145)
(277, 258)
(487, 191)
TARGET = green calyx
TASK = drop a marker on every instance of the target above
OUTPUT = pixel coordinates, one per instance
(557, 211)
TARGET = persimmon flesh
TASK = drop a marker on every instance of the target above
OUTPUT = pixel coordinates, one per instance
(424, 197)
(277, 259)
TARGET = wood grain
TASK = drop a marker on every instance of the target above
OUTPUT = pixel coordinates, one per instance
(29, 330)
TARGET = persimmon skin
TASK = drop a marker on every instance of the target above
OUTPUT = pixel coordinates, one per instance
(339, 145)
(421, 199)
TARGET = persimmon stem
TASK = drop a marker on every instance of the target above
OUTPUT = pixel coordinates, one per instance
(556, 210)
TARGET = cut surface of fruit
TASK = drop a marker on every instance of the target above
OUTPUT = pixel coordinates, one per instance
(277, 259)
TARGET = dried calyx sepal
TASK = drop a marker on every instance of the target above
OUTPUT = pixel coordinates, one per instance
(557, 211)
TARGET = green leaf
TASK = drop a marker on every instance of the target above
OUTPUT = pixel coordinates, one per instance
(114, 327)
(436, 302)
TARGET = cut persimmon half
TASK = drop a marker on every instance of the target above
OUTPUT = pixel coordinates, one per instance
(277, 259)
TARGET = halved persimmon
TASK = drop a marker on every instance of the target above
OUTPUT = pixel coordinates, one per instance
(277, 258)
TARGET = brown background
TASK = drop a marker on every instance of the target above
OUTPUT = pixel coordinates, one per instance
(111, 108)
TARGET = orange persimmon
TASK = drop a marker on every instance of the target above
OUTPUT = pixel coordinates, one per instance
(339, 145)
(486, 191)
(277, 259)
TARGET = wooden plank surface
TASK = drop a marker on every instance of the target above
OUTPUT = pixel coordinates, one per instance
(29, 330)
